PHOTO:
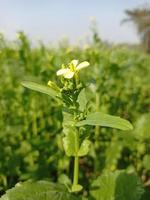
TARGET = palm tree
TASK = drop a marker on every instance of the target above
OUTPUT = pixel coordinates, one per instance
(141, 18)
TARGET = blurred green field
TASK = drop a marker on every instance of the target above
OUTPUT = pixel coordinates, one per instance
(30, 123)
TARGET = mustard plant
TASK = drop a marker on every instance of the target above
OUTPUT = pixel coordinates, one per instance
(77, 117)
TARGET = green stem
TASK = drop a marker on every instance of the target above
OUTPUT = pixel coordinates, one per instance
(75, 186)
(76, 170)
(76, 161)
(97, 128)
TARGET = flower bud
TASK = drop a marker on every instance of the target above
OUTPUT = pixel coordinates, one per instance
(53, 86)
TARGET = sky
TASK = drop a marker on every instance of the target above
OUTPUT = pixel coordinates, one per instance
(51, 20)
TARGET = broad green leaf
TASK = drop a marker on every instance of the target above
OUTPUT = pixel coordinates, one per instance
(69, 144)
(101, 119)
(82, 100)
(41, 88)
(103, 188)
(84, 148)
(69, 141)
(117, 186)
(41, 190)
(69, 130)
(128, 187)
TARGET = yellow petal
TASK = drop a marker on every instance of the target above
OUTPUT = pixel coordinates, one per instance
(82, 65)
(74, 62)
(61, 72)
(69, 74)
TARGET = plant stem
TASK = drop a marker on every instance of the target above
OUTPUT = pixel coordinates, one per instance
(76, 160)
(97, 128)
(76, 170)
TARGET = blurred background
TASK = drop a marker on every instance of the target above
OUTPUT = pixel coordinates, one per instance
(36, 37)
(52, 20)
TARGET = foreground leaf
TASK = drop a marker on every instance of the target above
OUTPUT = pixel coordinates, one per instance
(41, 190)
(69, 141)
(101, 119)
(117, 186)
(41, 88)
(69, 131)
(84, 148)
(70, 137)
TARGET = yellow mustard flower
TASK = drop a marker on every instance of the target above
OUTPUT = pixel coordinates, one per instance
(72, 69)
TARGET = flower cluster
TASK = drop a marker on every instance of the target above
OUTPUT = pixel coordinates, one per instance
(72, 69)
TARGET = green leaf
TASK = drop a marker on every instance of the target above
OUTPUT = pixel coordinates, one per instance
(82, 100)
(41, 190)
(76, 188)
(69, 131)
(41, 88)
(68, 119)
(64, 179)
(117, 186)
(84, 148)
(101, 119)
(69, 141)
(103, 188)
